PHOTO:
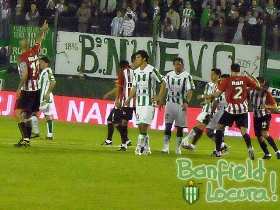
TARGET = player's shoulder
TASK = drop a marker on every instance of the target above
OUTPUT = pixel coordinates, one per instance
(170, 73)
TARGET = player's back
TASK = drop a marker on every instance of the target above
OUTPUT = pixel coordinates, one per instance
(236, 92)
(30, 59)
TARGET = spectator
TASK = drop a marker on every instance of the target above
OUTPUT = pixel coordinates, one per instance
(205, 16)
(156, 8)
(275, 38)
(117, 24)
(168, 30)
(130, 11)
(256, 8)
(61, 6)
(128, 26)
(208, 32)
(239, 34)
(107, 7)
(144, 12)
(175, 18)
(188, 15)
(271, 10)
(32, 17)
(5, 20)
(83, 15)
(219, 31)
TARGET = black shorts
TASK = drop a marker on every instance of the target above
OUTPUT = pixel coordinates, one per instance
(117, 115)
(29, 101)
(241, 120)
(261, 124)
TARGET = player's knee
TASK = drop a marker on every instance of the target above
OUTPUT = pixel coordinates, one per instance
(168, 128)
(179, 132)
(124, 123)
(265, 134)
(210, 133)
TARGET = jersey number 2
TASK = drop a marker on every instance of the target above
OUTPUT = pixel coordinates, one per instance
(238, 93)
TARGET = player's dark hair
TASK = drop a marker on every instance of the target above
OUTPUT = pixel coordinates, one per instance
(179, 59)
(235, 67)
(217, 71)
(123, 64)
(225, 76)
(143, 54)
(45, 59)
(132, 58)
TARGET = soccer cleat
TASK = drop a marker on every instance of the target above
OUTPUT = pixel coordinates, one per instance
(218, 154)
(267, 157)
(178, 151)
(23, 143)
(49, 138)
(278, 154)
(251, 153)
(107, 142)
(225, 148)
(165, 149)
(123, 148)
(147, 151)
(128, 143)
(188, 146)
(138, 150)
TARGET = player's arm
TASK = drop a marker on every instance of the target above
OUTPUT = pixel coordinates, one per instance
(43, 30)
(270, 102)
(120, 88)
(24, 77)
(162, 93)
(131, 95)
(51, 87)
(252, 81)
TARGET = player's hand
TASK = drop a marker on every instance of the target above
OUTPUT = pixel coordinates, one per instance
(18, 93)
(184, 106)
(45, 26)
(118, 104)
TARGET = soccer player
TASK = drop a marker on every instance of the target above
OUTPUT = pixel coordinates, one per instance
(120, 115)
(28, 92)
(236, 91)
(179, 85)
(144, 85)
(47, 83)
(262, 103)
(205, 117)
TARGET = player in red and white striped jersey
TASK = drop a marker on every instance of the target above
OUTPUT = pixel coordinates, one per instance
(262, 103)
(120, 115)
(28, 92)
(236, 91)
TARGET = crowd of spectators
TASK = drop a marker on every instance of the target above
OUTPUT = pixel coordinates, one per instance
(234, 21)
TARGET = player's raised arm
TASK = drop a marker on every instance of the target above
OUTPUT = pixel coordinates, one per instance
(43, 30)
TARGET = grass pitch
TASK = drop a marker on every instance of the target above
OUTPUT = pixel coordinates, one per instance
(74, 172)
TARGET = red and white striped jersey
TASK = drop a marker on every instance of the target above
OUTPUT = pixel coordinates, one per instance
(124, 84)
(259, 99)
(236, 92)
(30, 59)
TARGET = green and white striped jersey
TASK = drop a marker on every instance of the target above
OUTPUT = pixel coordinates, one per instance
(209, 89)
(145, 82)
(46, 76)
(177, 85)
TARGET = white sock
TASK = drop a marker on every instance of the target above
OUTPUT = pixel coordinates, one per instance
(141, 140)
(49, 130)
(147, 141)
(188, 138)
(35, 125)
(222, 145)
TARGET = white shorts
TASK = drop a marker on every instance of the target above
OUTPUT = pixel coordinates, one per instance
(174, 113)
(145, 114)
(203, 117)
(47, 108)
(215, 120)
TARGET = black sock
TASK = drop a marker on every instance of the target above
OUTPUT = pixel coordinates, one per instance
(198, 134)
(263, 146)
(219, 139)
(272, 143)
(247, 140)
(23, 130)
(110, 131)
(125, 133)
(121, 131)
(28, 128)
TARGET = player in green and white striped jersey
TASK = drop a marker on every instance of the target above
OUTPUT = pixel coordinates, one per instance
(46, 83)
(204, 117)
(179, 85)
(144, 86)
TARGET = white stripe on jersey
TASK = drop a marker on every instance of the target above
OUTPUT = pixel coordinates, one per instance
(208, 90)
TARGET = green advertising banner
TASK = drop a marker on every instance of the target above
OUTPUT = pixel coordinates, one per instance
(99, 55)
(31, 33)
